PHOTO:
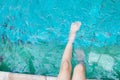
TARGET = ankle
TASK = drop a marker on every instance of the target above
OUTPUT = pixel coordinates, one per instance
(70, 41)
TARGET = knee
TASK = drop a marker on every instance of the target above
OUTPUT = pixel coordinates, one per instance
(66, 65)
(79, 68)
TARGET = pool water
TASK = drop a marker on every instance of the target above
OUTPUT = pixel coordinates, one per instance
(34, 33)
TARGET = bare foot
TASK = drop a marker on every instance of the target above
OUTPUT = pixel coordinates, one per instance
(74, 28)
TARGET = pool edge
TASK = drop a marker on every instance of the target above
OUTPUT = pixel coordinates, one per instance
(17, 76)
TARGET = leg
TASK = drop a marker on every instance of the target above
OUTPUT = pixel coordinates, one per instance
(79, 72)
(65, 69)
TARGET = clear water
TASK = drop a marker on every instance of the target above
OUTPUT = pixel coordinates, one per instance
(33, 35)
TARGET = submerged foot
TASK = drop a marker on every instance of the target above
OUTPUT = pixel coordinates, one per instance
(80, 56)
(74, 28)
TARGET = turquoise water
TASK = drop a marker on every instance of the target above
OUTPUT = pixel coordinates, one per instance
(33, 35)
